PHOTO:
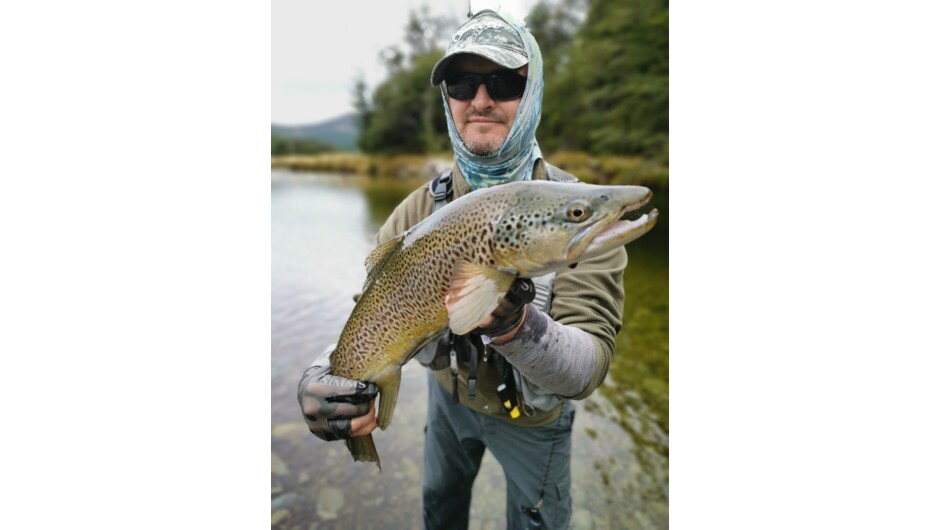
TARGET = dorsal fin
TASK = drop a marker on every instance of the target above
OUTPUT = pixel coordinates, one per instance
(377, 257)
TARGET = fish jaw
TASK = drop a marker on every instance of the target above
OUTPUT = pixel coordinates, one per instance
(615, 234)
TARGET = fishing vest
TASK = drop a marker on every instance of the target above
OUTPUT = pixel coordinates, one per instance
(453, 352)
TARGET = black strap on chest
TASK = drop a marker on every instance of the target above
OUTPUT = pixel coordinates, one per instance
(441, 189)
(465, 350)
(556, 174)
(507, 391)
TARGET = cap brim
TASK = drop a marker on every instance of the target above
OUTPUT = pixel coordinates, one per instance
(500, 56)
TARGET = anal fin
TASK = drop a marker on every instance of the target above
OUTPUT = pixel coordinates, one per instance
(388, 384)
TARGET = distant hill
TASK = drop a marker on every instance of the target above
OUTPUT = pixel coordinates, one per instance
(341, 132)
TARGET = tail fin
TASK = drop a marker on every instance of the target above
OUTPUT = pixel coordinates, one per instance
(363, 449)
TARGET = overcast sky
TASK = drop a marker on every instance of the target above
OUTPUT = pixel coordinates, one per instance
(319, 47)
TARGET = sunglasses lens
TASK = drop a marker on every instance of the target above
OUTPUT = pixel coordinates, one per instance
(462, 87)
(501, 86)
(505, 86)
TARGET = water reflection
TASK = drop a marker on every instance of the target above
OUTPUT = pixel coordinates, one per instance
(322, 229)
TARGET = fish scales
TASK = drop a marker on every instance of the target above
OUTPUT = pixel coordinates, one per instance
(468, 253)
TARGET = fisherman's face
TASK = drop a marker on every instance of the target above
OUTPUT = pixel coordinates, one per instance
(483, 123)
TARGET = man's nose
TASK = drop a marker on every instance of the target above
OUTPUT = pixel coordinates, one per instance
(482, 98)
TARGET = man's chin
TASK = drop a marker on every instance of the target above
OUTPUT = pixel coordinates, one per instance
(483, 147)
(488, 152)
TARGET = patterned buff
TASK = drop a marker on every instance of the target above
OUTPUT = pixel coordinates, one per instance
(520, 151)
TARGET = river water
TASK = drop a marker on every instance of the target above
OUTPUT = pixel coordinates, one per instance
(322, 228)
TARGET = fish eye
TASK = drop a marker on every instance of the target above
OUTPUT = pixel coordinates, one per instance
(578, 212)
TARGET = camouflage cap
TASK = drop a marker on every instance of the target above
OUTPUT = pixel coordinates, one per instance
(486, 35)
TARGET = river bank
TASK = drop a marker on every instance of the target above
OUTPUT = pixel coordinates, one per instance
(606, 169)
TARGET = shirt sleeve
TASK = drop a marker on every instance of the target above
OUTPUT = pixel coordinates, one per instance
(569, 354)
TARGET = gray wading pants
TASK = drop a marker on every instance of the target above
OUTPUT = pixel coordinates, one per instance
(454, 443)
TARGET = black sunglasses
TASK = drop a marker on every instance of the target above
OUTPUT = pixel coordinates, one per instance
(501, 86)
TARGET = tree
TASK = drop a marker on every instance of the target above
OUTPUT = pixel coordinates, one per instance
(405, 114)
(612, 94)
(361, 103)
(424, 33)
(554, 26)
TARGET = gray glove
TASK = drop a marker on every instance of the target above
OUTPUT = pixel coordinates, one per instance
(330, 402)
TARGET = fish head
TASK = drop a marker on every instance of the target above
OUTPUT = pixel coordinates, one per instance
(550, 225)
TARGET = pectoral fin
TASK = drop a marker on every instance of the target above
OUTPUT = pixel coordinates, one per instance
(475, 291)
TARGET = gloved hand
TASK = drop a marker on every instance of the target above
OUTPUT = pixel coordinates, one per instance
(511, 309)
(335, 407)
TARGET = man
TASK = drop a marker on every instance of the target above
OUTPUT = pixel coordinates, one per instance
(545, 350)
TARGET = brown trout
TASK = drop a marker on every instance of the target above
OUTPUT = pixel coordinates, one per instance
(470, 251)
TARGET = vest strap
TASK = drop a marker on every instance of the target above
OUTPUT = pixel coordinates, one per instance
(441, 189)
(557, 174)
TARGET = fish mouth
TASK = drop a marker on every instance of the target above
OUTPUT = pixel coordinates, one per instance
(613, 230)
(620, 233)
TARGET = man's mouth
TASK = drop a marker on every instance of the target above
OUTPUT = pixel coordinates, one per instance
(484, 119)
